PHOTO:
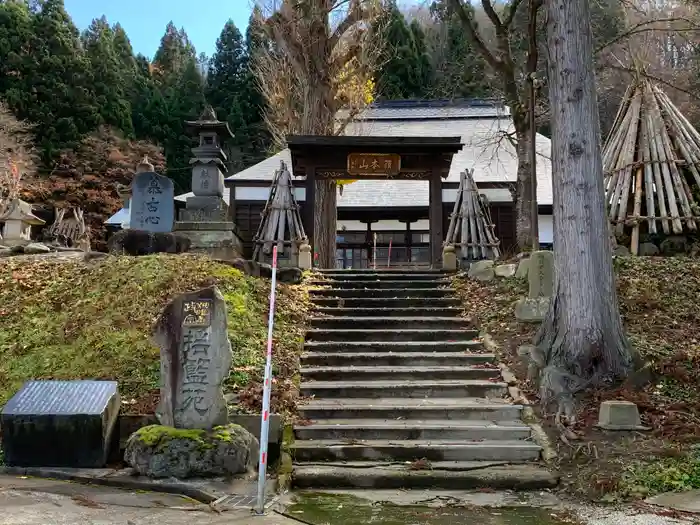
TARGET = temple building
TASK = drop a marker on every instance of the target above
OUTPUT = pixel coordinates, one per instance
(397, 210)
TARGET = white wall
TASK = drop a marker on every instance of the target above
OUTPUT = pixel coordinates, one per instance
(546, 228)
(257, 193)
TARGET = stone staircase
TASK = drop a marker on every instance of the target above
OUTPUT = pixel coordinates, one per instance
(403, 393)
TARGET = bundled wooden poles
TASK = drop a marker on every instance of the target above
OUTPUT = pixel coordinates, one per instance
(281, 221)
(471, 227)
(651, 161)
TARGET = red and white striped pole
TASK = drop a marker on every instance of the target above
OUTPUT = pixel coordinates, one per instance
(267, 390)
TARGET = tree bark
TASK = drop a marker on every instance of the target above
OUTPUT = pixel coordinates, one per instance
(523, 189)
(581, 339)
(325, 223)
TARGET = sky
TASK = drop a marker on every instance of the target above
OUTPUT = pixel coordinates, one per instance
(145, 20)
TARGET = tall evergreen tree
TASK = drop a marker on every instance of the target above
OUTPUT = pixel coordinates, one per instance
(109, 77)
(173, 54)
(459, 70)
(402, 59)
(59, 94)
(234, 94)
(16, 27)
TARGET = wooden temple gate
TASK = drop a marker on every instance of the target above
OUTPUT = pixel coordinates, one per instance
(379, 158)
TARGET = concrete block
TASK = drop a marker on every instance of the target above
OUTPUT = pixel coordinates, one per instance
(619, 415)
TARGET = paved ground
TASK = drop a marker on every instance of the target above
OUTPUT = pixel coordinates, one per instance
(31, 501)
(47, 502)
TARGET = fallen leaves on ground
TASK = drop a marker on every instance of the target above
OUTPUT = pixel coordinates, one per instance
(658, 299)
(70, 320)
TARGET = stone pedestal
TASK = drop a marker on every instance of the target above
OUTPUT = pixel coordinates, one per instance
(217, 239)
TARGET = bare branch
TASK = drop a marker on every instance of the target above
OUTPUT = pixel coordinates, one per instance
(17, 156)
(474, 36)
(655, 79)
(642, 27)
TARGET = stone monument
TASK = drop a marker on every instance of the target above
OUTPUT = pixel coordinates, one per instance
(19, 219)
(205, 218)
(60, 424)
(152, 206)
(194, 438)
(195, 358)
(540, 274)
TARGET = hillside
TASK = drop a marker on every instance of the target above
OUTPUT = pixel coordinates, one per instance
(88, 178)
(68, 320)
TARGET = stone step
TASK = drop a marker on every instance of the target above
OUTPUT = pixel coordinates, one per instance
(330, 334)
(412, 450)
(405, 389)
(381, 271)
(374, 372)
(448, 475)
(469, 346)
(391, 323)
(383, 284)
(391, 276)
(411, 409)
(395, 359)
(383, 293)
(386, 302)
(404, 430)
(420, 311)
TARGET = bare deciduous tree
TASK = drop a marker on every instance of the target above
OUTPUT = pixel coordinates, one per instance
(513, 81)
(17, 159)
(582, 338)
(321, 59)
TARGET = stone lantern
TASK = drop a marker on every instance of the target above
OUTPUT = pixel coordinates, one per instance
(205, 218)
(19, 219)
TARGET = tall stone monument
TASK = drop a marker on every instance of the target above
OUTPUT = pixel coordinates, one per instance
(205, 219)
(195, 359)
(152, 205)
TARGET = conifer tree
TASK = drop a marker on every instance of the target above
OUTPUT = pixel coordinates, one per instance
(108, 75)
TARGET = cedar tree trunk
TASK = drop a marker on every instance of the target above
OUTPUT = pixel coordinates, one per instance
(582, 337)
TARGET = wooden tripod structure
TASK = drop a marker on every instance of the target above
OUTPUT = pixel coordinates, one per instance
(471, 226)
(281, 221)
(651, 162)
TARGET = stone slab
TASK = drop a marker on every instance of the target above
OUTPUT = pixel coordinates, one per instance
(152, 203)
(76, 417)
(541, 274)
(683, 501)
(530, 310)
(476, 476)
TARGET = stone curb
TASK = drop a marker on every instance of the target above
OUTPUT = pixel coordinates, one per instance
(549, 454)
(181, 489)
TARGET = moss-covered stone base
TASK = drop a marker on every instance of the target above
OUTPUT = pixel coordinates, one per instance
(158, 451)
